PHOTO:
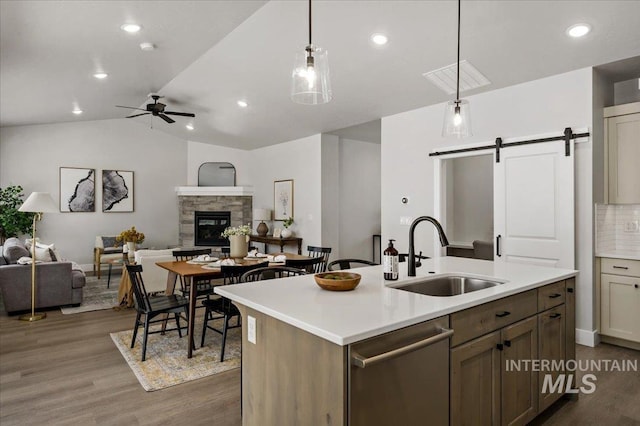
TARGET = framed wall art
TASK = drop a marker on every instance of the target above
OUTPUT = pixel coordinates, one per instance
(117, 191)
(282, 199)
(77, 190)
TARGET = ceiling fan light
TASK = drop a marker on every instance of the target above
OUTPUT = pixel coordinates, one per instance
(310, 81)
(457, 119)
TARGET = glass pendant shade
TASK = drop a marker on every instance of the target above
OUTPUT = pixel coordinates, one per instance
(457, 119)
(310, 82)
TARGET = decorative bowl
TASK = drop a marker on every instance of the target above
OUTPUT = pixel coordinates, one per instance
(337, 281)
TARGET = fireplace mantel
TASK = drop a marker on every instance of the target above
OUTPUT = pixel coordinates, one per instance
(203, 191)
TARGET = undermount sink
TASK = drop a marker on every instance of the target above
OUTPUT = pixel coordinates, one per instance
(448, 286)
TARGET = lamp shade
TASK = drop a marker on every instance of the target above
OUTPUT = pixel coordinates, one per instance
(457, 119)
(310, 81)
(39, 202)
(261, 214)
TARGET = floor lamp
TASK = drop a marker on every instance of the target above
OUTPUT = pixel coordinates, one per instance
(37, 203)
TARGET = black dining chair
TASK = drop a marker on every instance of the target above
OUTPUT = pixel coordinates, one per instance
(271, 272)
(151, 307)
(339, 264)
(204, 288)
(311, 265)
(221, 307)
(322, 252)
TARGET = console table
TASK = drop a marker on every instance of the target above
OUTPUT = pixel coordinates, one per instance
(277, 241)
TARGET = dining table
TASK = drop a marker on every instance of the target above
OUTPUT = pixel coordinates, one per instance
(189, 270)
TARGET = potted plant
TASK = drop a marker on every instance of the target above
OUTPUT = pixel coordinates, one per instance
(13, 222)
(286, 232)
(238, 239)
(130, 238)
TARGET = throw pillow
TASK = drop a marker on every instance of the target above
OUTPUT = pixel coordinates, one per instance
(44, 252)
(14, 252)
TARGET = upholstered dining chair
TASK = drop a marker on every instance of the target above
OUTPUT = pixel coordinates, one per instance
(222, 308)
(151, 307)
(311, 265)
(349, 264)
(323, 252)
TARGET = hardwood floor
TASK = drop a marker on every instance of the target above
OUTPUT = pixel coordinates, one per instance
(65, 370)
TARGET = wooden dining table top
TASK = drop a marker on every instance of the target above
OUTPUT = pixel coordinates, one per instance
(185, 269)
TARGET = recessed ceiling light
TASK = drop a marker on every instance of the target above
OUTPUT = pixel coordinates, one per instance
(146, 46)
(130, 28)
(100, 75)
(189, 126)
(379, 39)
(578, 30)
(242, 104)
(77, 111)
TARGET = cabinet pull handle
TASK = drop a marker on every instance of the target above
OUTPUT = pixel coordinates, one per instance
(498, 251)
(570, 290)
(620, 267)
(499, 346)
(503, 314)
(556, 315)
(554, 295)
(362, 362)
(507, 343)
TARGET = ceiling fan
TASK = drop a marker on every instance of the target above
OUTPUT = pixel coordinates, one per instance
(157, 109)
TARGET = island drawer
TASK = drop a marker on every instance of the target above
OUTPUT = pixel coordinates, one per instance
(483, 319)
(630, 268)
(551, 295)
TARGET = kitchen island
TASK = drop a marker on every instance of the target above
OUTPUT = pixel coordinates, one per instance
(298, 370)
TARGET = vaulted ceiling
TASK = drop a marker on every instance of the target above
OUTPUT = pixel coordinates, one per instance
(210, 54)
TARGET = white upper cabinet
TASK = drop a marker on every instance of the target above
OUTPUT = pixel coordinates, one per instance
(622, 150)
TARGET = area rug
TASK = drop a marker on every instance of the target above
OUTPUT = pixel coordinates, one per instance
(96, 296)
(167, 363)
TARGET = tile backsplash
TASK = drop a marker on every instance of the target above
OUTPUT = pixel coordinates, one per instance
(611, 220)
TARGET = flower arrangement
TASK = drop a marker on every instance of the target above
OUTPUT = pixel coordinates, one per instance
(130, 236)
(287, 222)
(237, 230)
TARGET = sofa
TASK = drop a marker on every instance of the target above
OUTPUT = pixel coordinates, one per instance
(58, 283)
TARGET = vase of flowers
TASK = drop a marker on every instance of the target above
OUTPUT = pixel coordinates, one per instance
(130, 238)
(238, 239)
(286, 232)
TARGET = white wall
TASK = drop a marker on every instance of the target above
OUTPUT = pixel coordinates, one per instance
(359, 198)
(541, 106)
(198, 153)
(330, 194)
(31, 156)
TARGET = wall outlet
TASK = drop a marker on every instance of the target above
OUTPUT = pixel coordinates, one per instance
(631, 226)
(251, 329)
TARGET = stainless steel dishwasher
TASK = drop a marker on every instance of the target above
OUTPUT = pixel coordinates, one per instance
(401, 377)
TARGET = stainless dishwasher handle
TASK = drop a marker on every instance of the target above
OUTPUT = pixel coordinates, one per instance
(362, 362)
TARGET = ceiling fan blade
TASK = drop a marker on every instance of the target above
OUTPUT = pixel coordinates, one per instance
(121, 106)
(138, 115)
(184, 114)
(167, 119)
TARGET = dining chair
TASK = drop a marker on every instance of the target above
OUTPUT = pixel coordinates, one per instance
(204, 288)
(323, 252)
(271, 272)
(311, 265)
(221, 307)
(349, 264)
(151, 307)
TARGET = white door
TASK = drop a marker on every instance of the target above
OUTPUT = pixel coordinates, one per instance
(534, 205)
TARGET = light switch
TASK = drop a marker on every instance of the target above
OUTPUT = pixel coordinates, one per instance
(251, 329)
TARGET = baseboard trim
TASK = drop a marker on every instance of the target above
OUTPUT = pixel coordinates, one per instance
(621, 342)
(587, 337)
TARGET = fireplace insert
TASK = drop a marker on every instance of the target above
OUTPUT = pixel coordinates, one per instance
(209, 227)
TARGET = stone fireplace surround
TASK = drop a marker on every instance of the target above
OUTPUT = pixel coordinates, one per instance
(237, 199)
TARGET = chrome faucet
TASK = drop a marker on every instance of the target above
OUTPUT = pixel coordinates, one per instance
(411, 261)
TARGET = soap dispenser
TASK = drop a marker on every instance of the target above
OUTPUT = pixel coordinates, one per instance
(390, 262)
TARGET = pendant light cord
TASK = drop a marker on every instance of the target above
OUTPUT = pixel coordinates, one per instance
(458, 69)
(310, 23)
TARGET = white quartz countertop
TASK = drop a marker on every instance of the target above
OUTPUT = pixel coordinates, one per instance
(619, 254)
(374, 307)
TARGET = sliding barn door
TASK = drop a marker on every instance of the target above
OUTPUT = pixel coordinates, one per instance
(534, 205)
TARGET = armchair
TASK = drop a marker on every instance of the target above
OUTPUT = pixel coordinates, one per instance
(105, 249)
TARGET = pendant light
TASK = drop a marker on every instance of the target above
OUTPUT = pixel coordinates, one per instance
(457, 118)
(310, 83)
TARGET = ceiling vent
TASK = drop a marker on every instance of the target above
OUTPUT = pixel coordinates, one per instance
(445, 78)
